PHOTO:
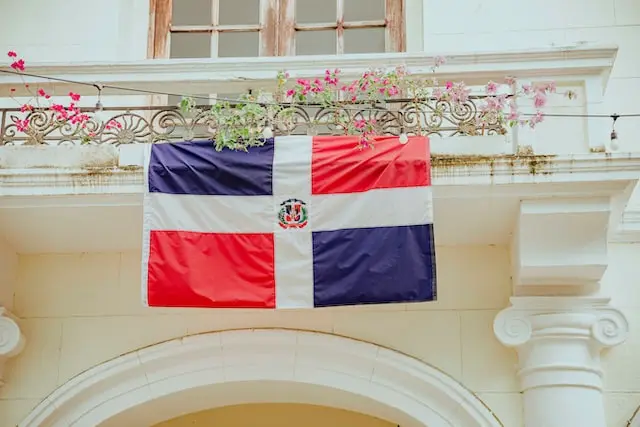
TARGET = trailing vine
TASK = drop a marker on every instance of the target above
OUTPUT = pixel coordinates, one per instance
(249, 121)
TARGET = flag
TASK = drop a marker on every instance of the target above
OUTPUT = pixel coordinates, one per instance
(302, 221)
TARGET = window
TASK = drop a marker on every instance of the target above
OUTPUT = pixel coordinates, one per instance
(249, 28)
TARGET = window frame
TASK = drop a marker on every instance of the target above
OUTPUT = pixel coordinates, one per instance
(277, 27)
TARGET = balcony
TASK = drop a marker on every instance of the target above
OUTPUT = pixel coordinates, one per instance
(584, 70)
(72, 190)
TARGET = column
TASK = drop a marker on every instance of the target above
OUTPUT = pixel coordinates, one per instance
(559, 340)
(12, 340)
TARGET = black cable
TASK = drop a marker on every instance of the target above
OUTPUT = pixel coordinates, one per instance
(100, 87)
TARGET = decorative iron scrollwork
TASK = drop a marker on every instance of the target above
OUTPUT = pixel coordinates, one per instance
(165, 124)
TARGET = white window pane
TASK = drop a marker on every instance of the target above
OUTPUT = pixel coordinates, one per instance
(364, 40)
(316, 42)
(191, 12)
(315, 11)
(364, 10)
(190, 45)
(237, 12)
(238, 44)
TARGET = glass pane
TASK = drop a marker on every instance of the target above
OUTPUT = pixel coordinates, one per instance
(364, 10)
(316, 42)
(190, 45)
(191, 12)
(315, 11)
(364, 40)
(238, 44)
(236, 12)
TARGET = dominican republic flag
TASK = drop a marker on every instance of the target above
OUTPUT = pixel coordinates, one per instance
(299, 222)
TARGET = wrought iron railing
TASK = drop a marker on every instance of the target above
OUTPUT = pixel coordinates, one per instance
(150, 124)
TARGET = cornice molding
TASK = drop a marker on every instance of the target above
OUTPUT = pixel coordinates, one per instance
(586, 59)
(605, 174)
(12, 341)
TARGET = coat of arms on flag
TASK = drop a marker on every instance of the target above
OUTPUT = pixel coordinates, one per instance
(301, 221)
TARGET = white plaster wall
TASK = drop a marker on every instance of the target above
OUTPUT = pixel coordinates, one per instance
(79, 310)
(82, 309)
(487, 25)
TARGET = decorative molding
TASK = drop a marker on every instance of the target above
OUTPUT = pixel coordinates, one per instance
(629, 228)
(558, 341)
(595, 174)
(12, 341)
(559, 245)
(149, 385)
(549, 334)
(232, 75)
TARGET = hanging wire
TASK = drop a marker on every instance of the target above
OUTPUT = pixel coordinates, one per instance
(100, 87)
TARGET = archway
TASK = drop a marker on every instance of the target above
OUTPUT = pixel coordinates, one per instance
(215, 369)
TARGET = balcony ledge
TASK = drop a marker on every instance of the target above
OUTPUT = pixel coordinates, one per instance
(229, 75)
(113, 170)
(95, 206)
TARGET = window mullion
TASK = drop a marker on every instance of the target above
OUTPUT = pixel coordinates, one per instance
(394, 32)
(340, 29)
(215, 21)
(286, 28)
(268, 24)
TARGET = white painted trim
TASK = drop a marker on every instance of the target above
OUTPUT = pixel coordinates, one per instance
(628, 230)
(205, 75)
(396, 385)
(602, 173)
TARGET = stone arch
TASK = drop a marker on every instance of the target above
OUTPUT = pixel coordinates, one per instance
(215, 369)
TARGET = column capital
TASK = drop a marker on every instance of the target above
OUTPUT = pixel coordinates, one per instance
(12, 341)
(559, 339)
(586, 317)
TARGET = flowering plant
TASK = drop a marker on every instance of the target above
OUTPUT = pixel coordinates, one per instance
(63, 115)
(248, 121)
(498, 104)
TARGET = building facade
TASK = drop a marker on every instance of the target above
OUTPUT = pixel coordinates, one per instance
(537, 231)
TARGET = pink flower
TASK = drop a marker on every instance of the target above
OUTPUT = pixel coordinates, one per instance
(538, 118)
(540, 100)
(449, 85)
(291, 92)
(527, 89)
(491, 88)
(18, 65)
(44, 94)
(393, 91)
(22, 125)
(25, 107)
(74, 96)
(510, 80)
(12, 54)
